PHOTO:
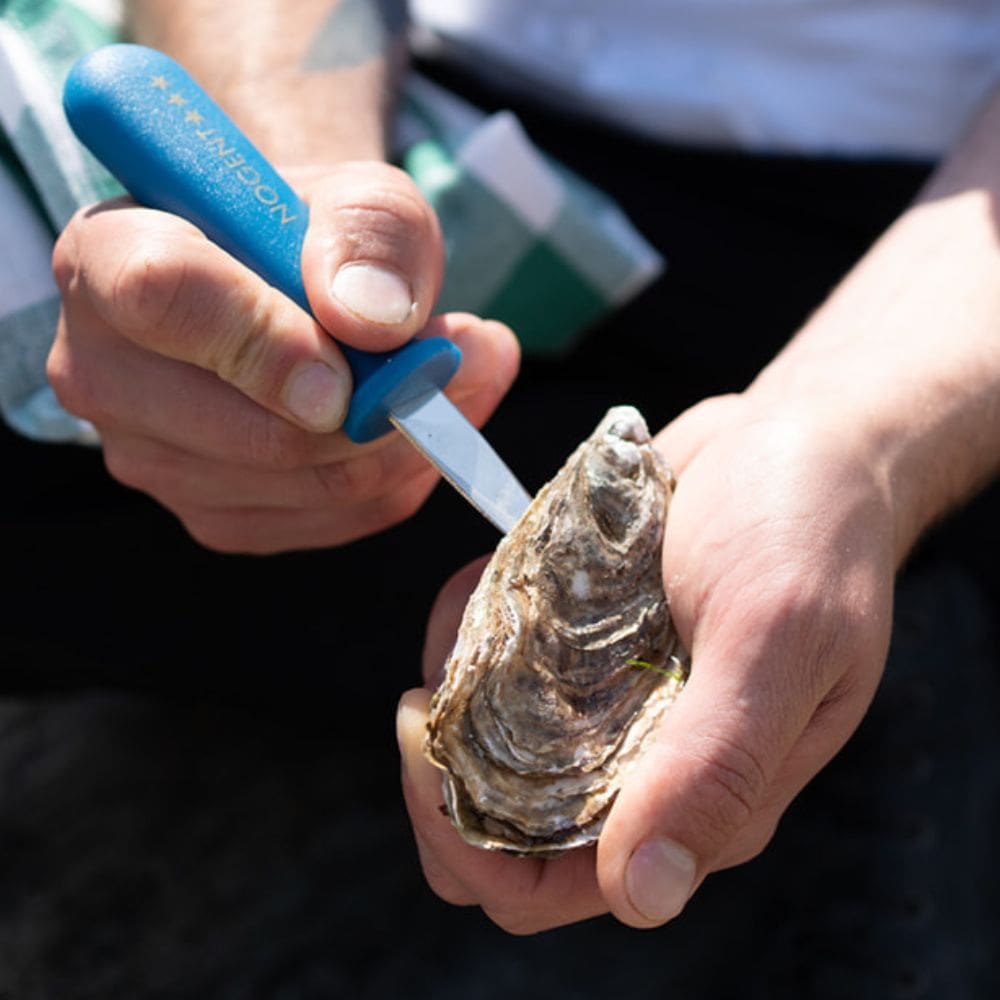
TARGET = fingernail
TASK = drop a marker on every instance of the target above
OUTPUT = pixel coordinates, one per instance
(408, 722)
(411, 731)
(659, 879)
(317, 395)
(374, 293)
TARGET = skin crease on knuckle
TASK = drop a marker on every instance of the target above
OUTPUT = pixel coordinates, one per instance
(241, 353)
(731, 783)
(829, 728)
(389, 510)
(270, 442)
(363, 477)
(151, 289)
(391, 222)
(65, 257)
(367, 233)
(377, 188)
(380, 468)
(68, 253)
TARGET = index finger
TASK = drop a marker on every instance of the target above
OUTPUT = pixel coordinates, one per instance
(158, 281)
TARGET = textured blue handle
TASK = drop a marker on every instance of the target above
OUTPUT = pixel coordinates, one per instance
(174, 149)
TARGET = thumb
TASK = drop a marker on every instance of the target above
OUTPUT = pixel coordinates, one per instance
(704, 780)
(373, 259)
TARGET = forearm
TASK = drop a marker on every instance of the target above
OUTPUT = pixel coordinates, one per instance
(311, 82)
(904, 356)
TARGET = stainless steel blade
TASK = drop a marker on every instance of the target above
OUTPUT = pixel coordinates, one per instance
(435, 426)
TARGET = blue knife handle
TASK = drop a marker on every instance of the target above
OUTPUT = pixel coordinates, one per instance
(173, 148)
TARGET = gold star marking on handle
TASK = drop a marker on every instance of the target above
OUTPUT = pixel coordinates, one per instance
(178, 100)
(194, 117)
(160, 82)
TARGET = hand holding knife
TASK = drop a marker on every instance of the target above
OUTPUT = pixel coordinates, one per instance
(174, 149)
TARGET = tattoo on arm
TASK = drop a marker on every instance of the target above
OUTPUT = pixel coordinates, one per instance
(356, 32)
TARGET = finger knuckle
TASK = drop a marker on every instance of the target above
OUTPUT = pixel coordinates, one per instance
(71, 385)
(381, 185)
(367, 479)
(225, 532)
(156, 472)
(272, 444)
(444, 886)
(207, 536)
(146, 291)
(388, 217)
(748, 847)
(801, 615)
(404, 502)
(60, 376)
(383, 512)
(123, 466)
(65, 256)
(239, 352)
(355, 479)
(827, 637)
(514, 920)
(376, 232)
(840, 703)
(731, 783)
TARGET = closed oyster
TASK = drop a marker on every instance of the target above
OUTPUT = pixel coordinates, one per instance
(566, 657)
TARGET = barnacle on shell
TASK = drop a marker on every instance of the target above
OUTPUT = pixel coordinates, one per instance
(566, 657)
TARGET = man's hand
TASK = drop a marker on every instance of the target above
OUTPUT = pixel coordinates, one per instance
(220, 398)
(796, 503)
(779, 563)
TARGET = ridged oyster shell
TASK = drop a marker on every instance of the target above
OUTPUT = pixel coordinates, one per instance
(566, 657)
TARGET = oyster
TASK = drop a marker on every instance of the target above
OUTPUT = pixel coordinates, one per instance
(566, 656)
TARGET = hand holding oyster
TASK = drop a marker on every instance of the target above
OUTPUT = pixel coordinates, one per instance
(566, 657)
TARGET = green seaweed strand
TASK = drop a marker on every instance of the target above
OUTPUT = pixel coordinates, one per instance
(675, 673)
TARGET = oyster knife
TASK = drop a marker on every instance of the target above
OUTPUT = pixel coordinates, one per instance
(174, 149)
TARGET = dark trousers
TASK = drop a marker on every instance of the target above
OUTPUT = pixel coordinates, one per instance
(198, 771)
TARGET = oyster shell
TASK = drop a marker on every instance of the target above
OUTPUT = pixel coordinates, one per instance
(566, 656)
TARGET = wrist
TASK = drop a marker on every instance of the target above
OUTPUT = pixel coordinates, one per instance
(928, 443)
(902, 359)
(316, 87)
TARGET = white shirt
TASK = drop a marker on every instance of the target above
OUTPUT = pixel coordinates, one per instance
(846, 77)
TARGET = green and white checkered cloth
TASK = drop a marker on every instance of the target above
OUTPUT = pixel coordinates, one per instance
(527, 241)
